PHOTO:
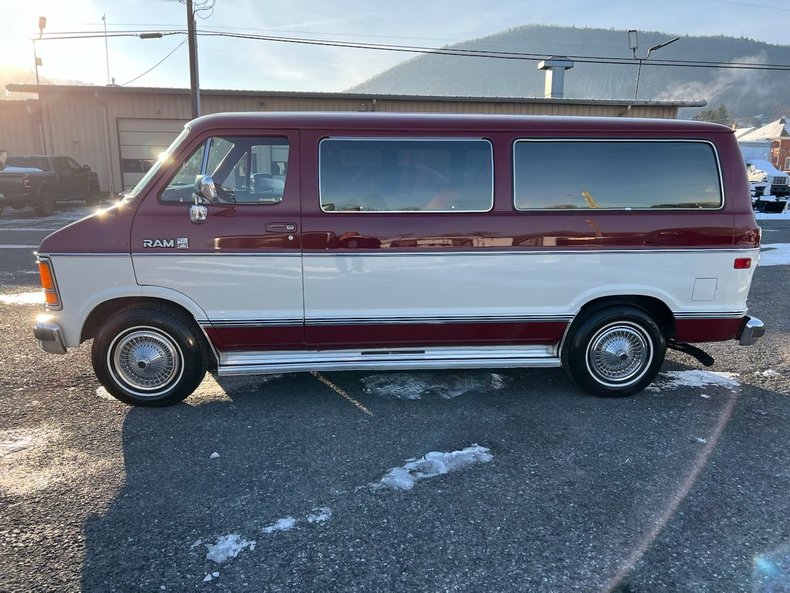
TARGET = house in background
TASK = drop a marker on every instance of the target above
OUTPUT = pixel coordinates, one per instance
(776, 135)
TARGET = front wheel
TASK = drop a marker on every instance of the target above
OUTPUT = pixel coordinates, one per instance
(149, 356)
(614, 352)
(92, 195)
(45, 205)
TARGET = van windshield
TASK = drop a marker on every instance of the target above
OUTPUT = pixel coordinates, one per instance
(163, 158)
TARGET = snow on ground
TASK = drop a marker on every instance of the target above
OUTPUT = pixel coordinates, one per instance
(23, 298)
(775, 254)
(413, 386)
(227, 547)
(769, 373)
(319, 515)
(284, 524)
(13, 445)
(765, 216)
(695, 378)
(432, 464)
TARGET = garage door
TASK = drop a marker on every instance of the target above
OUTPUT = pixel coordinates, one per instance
(141, 141)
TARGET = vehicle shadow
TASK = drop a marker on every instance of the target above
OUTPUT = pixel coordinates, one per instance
(575, 486)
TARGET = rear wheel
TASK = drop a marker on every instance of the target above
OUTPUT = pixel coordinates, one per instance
(148, 356)
(614, 352)
(45, 205)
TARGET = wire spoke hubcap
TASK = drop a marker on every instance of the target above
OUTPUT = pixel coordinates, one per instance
(146, 360)
(619, 354)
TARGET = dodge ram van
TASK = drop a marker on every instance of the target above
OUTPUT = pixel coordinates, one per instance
(271, 243)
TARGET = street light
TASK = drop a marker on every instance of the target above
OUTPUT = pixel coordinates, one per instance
(633, 45)
(42, 23)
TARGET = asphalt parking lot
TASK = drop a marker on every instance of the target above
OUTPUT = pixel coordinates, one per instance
(681, 488)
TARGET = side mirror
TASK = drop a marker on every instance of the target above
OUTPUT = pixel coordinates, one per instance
(205, 188)
(86, 167)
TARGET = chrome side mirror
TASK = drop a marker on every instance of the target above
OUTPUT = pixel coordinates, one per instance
(198, 213)
(205, 188)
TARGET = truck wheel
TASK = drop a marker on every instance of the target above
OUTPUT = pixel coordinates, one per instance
(45, 205)
(92, 196)
(614, 352)
(149, 356)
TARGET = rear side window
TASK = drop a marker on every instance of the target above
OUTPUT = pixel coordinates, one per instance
(400, 175)
(615, 175)
(245, 170)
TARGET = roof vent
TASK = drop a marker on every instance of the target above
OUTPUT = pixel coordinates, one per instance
(555, 68)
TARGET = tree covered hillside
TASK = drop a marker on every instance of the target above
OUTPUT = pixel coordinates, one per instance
(743, 92)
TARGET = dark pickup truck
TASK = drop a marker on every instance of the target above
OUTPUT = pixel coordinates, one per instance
(40, 181)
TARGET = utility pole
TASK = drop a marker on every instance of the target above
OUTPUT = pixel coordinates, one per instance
(106, 48)
(194, 82)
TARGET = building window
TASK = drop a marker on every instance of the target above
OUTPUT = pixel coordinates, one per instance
(615, 175)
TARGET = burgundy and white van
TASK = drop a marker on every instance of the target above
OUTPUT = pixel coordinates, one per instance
(270, 243)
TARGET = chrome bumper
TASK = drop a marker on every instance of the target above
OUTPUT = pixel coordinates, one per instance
(751, 331)
(50, 337)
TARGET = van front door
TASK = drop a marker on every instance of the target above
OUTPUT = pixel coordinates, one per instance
(241, 264)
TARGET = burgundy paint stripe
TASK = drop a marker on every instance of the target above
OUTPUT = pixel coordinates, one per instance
(388, 335)
(707, 330)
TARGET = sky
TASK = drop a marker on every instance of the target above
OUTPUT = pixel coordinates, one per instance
(268, 65)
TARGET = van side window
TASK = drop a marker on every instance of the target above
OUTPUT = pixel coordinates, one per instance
(396, 175)
(245, 170)
(615, 175)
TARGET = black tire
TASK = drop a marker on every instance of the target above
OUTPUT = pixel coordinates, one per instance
(45, 204)
(614, 352)
(92, 195)
(149, 356)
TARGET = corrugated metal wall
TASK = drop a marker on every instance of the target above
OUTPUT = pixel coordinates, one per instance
(82, 123)
(20, 127)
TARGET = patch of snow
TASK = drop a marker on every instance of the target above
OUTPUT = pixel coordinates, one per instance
(207, 578)
(701, 440)
(695, 378)
(765, 216)
(214, 455)
(769, 373)
(23, 298)
(227, 547)
(196, 544)
(319, 515)
(775, 254)
(104, 394)
(413, 386)
(284, 524)
(13, 446)
(432, 464)
(704, 395)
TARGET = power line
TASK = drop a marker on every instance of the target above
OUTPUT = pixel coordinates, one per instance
(445, 51)
(155, 65)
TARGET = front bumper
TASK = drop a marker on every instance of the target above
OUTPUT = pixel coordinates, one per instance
(751, 330)
(49, 336)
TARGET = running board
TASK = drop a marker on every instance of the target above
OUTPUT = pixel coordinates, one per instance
(257, 363)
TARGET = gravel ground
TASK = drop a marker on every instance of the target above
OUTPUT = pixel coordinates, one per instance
(681, 488)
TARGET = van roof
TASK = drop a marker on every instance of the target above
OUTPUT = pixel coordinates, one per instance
(449, 122)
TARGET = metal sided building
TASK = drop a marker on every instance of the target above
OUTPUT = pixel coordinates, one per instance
(120, 131)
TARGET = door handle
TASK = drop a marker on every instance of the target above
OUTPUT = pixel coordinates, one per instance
(280, 227)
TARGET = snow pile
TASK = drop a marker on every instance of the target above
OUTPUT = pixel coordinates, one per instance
(769, 373)
(413, 386)
(208, 577)
(695, 378)
(319, 515)
(283, 524)
(775, 254)
(431, 465)
(227, 547)
(766, 216)
(23, 298)
(214, 455)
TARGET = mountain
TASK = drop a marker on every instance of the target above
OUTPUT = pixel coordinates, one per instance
(743, 92)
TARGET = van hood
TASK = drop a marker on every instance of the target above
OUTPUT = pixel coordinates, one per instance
(105, 231)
